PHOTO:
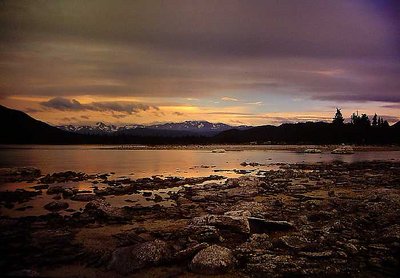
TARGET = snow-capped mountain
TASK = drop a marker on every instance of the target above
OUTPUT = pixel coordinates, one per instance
(195, 126)
(98, 128)
(188, 127)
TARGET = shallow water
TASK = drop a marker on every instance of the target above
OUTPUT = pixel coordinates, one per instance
(145, 163)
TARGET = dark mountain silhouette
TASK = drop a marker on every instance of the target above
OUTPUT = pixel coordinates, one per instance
(19, 128)
(312, 133)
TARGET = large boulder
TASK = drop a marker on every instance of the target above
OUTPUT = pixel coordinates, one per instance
(203, 233)
(99, 208)
(261, 225)
(235, 221)
(56, 206)
(126, 260)
(213, 260)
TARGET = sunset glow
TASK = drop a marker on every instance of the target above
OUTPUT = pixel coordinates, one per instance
(225, 61)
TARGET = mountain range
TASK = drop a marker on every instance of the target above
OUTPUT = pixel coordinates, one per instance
(186, 128)
(19, 128)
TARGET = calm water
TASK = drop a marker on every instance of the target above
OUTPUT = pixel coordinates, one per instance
(140, 163)
(144, 163)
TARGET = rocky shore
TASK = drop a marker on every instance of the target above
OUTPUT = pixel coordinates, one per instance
(332, 219)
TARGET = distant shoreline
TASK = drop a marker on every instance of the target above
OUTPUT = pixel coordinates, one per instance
(226, 147)
(300, 148)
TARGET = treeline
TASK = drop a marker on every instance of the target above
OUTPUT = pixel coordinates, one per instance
(360, 120)
(360, 130)
(19, 128)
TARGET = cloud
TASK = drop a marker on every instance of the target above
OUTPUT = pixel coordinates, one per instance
(255, 103)
(178, 113)
(229, 99)
(119, 116)
(392, 106)
(69, 119)
(342, 51)
(64, 104)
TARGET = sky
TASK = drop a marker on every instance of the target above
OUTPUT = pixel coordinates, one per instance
(237, 62)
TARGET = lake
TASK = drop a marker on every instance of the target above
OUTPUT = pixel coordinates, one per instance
(167, 162)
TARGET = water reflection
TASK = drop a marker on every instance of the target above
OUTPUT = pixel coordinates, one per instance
(145, 163)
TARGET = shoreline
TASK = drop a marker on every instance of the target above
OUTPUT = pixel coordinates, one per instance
(227, 147)
(301, 219)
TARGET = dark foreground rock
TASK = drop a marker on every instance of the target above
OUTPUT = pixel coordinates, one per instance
(19, 174)
(319, 220)
(56, 206)
(236, 221)
(100, 209)
(213, 260)
(126, 260)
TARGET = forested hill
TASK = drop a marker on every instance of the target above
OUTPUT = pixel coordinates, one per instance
(20, 128)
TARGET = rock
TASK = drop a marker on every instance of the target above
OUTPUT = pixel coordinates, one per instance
(297, 187)
(320, 216)
(40, 186)
(19, 174)
(57, 197)
(126, 260)
(238, 213)
(65, 177)
(67, 192)
(157, 198)
(85, 197)
(189, 252)
(391, 233)
(55, 189)
(260, 225)
(256, 243)
(218, 151)
(312, 151)
(19, 195)
(255, 208)
(147, 194)
(213, 260)
(100, 208)
(252, 164)
(202, 233)
(235, 223)
(242, 192)
(56, 206)
(269, 265)
(293, 242)
(324, 254)
(247, 181)
(351, 248)
(343, 150)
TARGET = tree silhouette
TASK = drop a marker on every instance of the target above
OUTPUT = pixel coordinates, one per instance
(338, 119)
(362, 121)
(375, 120)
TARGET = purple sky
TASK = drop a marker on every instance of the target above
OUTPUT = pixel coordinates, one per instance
(252, 62)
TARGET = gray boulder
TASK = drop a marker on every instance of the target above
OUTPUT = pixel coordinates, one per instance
(213, 260)
(235, 221)
(126, 260)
